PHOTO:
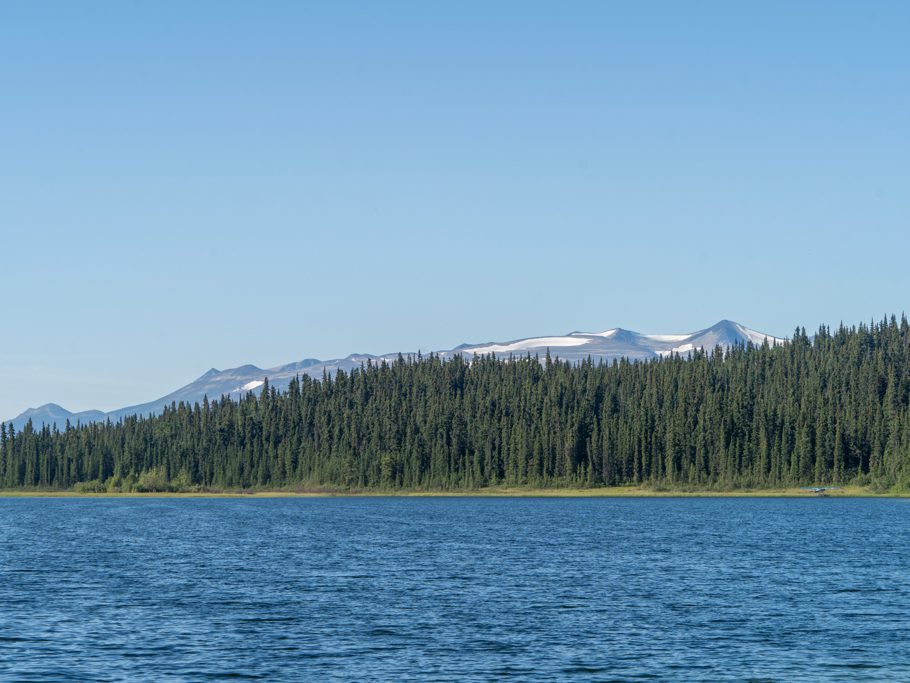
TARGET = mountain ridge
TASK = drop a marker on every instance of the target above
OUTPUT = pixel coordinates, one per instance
(576, 346)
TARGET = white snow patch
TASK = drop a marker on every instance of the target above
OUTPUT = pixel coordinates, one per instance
(527, 344)
(667, 337)
(758, 338)
(608, 333)
(249, 386)
(681, 349)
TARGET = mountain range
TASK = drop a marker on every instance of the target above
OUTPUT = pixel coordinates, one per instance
(574, 347)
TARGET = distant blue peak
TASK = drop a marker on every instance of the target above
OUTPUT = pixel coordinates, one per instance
(247, 368)
(48, 408)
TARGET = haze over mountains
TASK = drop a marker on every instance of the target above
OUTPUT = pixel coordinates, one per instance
(604, 346)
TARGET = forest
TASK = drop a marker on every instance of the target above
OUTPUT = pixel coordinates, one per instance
(833, 408)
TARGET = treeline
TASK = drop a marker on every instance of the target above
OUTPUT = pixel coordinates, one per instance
(830, 410)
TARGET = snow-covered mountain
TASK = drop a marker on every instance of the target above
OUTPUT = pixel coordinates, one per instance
(619, 343)
(574, 347)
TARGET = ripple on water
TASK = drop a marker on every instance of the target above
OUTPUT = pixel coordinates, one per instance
(454, 589)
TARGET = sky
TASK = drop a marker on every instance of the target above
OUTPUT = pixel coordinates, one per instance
(187, 185)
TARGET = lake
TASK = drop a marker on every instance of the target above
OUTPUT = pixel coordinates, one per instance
(454, 589)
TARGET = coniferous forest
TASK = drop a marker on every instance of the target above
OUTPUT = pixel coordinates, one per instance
(830, 409)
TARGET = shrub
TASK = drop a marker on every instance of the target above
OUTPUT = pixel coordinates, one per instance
(93, 486)
(153, 481)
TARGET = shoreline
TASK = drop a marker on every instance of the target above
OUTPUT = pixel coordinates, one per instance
(492, 492)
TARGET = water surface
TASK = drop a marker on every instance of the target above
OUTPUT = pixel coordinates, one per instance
(454, 589)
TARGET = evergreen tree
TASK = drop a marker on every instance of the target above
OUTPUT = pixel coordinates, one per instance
(831, 409)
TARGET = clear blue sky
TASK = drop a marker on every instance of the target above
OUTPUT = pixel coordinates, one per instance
(194, 184)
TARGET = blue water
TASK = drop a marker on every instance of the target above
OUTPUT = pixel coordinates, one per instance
(461, 589)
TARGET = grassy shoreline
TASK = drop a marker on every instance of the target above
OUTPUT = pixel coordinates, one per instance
(492, 492)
